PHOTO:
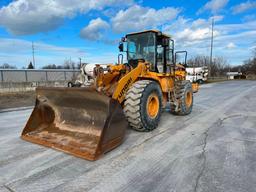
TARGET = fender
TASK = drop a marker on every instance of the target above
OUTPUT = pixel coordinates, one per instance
(125, 83)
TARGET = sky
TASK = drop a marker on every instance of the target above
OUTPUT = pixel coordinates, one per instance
(91, 29)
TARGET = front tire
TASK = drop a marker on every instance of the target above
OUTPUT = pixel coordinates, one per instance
(143, 105)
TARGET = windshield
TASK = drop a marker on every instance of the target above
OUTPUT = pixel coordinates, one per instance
(141, 46)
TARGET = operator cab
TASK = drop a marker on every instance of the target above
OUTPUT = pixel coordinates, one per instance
(152, 46)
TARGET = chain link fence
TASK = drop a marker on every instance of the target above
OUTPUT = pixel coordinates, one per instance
(12, 80)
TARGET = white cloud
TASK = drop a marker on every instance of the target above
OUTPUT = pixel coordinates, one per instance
(250, 17)
(228, 28)
(242, 7)
(243, 38)
(18, 52)
(195, 36)
(188, 31)
(253, 47)
(8, 45)
(190, 35)
(214, 6)
(24, 17)
(139, 18)
(176, 25)
(231, 45)
(94, 30)
(217, 18)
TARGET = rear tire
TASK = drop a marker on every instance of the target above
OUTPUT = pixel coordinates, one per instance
(184, 94)
(200, 81)
(70, 84)
(143, 105)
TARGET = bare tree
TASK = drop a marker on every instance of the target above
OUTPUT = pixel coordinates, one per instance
(50, 66)
(249, 65)
(254, 53)
(218, 67)
(7, 66)
(199, 61)
(68, 64)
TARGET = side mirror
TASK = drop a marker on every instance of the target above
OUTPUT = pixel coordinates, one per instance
(121, 47)
(123, 39)
(121, 44)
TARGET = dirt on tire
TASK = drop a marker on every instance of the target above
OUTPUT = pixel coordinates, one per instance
(135, 105)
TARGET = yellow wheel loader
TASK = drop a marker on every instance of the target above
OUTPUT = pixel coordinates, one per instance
(89, 121)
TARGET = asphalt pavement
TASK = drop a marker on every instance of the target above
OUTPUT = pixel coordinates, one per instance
(212, 149)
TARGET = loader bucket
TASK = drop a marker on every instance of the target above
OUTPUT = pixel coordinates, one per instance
(79, 121)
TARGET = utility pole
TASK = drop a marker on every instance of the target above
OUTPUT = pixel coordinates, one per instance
(211, 47)
(33, 54)
(70, 63)
(80, 61)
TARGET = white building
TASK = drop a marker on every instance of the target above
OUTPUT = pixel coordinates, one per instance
(231, 75)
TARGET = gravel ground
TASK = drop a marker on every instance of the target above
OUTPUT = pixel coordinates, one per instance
(212, 149)
(17, 99)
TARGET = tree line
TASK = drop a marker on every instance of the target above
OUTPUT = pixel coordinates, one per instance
(219, 65)
(67, 64)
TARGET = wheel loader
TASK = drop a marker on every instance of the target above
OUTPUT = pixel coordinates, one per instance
(90, 121)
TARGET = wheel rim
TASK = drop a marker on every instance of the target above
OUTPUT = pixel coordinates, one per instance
(153, 105)
(188, 98)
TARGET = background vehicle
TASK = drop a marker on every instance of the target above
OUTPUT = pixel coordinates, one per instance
(197, 74)
(86, 76)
